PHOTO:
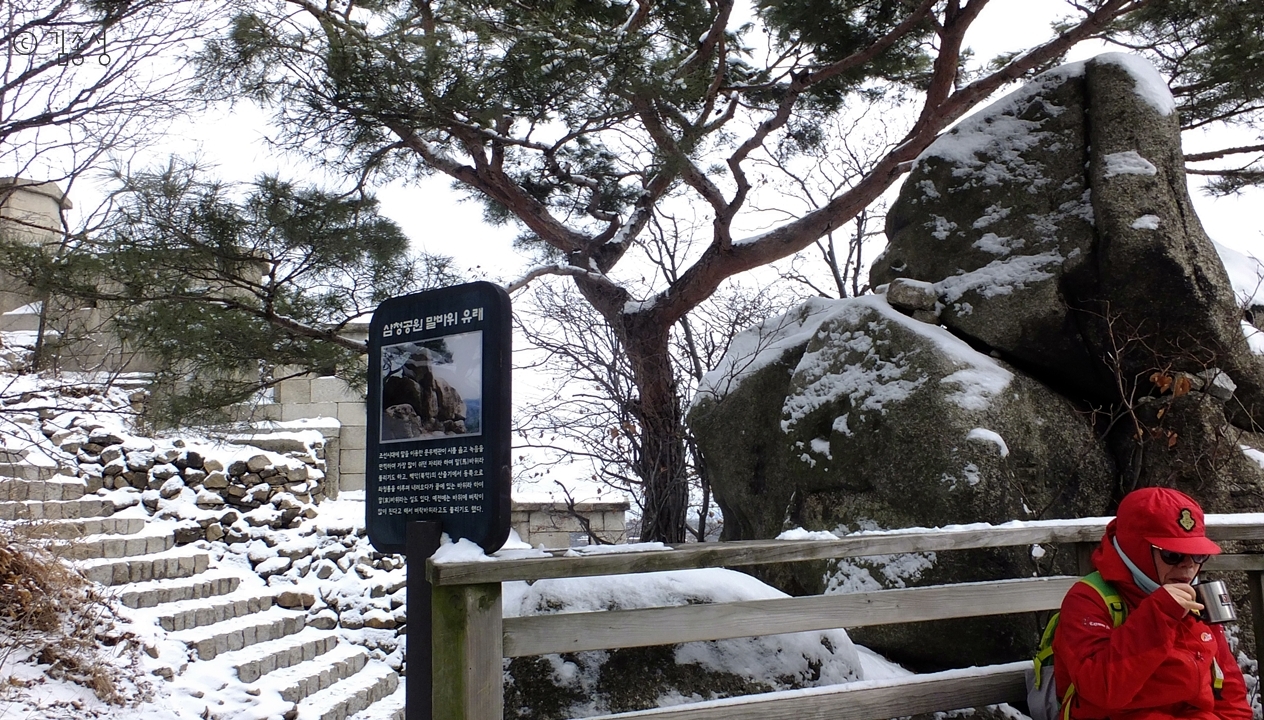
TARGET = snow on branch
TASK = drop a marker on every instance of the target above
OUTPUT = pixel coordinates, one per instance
(543, 270)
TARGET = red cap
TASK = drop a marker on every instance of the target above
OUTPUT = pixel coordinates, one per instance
(1165, 518)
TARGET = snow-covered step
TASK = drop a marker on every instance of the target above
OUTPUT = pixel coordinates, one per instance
(308, 678)
(258, 660)
(189, 614)
(355, 694)
(158, 592)
(390, 707)
(181, 562)
(214, 640)
(71, 529)
(63, 488)
(87, 507)
(15, 321)
(154, 539)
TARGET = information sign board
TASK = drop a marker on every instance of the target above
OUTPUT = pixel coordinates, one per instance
(439, 415)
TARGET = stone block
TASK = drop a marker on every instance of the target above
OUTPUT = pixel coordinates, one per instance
(353, 437)
(266, 411)
(351, 481)
(351, 461)
(333, 389)
(295, 391)
(551, 539)
(310, 410)
(352, 413)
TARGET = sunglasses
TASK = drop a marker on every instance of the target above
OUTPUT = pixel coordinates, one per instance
(1174, 558)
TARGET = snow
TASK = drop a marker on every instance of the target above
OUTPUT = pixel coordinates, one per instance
(809, 658)
(1252, 454)
(1254, 338)
(998, 131)
(989, 436)
(1128, 162)
(801, 534)
(1246, 275)
(631, 592)
(1000, 277)
(990, 215)
(853, 575)
(821, 446)
(762, 345)
(359, 589)
(1150, 85)
(997, 245)
(1146, 222)
(868, 385)
(586, 550)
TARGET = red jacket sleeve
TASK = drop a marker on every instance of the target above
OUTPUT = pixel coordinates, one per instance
(1110, 666)
(1232, 704)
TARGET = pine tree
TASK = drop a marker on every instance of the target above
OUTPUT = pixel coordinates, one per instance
(228, 290)
(1212, 52)
(580, 120)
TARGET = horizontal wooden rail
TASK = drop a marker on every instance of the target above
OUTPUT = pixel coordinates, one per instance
(758, 552)
(573, 632)
(943, 691)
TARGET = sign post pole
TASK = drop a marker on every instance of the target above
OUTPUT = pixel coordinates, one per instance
(438, 454)
(423, 540)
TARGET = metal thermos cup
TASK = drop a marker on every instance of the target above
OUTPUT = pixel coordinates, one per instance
(1217, 605)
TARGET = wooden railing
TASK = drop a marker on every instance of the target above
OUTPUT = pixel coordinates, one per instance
(470, 638)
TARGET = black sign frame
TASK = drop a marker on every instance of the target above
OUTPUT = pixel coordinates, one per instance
(433, 338)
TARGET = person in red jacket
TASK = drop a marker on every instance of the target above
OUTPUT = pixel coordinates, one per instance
(1163, 661)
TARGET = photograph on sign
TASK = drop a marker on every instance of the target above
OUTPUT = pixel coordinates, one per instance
(433, 388)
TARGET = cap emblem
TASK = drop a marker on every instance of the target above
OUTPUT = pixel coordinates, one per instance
(1186, 520)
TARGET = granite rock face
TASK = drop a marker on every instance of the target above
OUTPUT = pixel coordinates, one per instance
(873, 420)
(1057, 228)
(1056, 330)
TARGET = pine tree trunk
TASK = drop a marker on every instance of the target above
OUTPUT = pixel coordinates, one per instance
(661, 464)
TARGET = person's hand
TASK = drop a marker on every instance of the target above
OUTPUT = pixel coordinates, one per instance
(1184, 594)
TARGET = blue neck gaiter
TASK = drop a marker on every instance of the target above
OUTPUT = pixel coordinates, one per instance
(1142, 580)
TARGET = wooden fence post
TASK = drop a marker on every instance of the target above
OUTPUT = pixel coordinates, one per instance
(468, 652)
(1255, 583)
(1084, 557)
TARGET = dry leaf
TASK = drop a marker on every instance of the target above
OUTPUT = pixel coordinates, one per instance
(1162, 380)
(1161, 413)
(1171, 439)
(1181, 386)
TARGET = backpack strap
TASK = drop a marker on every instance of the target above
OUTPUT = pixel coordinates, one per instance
(1118, 613)
(1114, 603)
(1066, 703)
(1044, 656)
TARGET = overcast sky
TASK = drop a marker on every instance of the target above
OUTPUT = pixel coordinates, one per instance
(438, 221)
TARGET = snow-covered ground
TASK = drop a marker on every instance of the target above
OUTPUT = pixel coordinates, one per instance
(321, 552)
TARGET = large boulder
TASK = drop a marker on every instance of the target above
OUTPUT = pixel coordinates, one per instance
(848, 415)
(1057, 229)
(420, 403)
(554, 687)
(1186, 443)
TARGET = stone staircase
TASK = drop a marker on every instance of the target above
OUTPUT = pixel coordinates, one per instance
(236, 643)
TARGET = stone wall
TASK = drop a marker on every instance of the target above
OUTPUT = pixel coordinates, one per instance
(554, 525)
(310, 398)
